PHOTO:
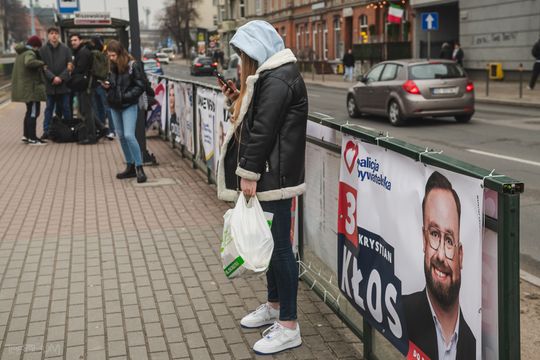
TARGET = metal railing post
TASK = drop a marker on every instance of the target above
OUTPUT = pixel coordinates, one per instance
(520, 80)
(368, 341)
(487, 81)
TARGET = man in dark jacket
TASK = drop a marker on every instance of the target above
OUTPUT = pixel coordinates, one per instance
(458, 54)
(58, 59)
(434, 319)
(84, 86)
(348, 63)
(446, 51)
(536, 67)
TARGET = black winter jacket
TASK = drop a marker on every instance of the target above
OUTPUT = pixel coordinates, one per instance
(269, 140)
(56, 59)
(83, 65)
(126, 88)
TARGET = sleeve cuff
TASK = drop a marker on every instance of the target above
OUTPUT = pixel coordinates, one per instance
(248, 175)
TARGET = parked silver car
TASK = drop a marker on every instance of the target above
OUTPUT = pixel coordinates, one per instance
(412, 88)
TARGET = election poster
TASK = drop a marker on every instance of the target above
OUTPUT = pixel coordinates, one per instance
(206, 117)
(156, 118)
(181, 114)
(410, 251)
(222, 126)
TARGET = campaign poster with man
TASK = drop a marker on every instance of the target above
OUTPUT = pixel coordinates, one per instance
(222, 126)
(156, 116)
(206, 116)
(410, 251)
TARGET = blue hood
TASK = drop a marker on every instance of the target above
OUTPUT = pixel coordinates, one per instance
(258, 39)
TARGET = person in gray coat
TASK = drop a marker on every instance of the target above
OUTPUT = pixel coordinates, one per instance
(59, 61)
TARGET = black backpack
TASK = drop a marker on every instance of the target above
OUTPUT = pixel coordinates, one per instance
(65, 131)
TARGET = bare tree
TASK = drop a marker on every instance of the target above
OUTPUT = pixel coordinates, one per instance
(176, 22)
(15, 24)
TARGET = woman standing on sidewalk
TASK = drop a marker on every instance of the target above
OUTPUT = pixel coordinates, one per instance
(124, 87)
(263, 154)
(28, 86)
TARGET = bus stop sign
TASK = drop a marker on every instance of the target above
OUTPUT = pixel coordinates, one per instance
(68, 6)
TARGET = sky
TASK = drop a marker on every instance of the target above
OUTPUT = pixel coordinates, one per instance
(117, 8)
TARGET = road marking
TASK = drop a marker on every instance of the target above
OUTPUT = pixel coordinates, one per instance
(529, 277)
(529, 162)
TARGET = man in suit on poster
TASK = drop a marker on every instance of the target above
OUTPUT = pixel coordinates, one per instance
(434, 320)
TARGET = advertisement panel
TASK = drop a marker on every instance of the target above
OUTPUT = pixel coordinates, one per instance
(156, 118)
(410, 251)
(181, 114)
(206, 116)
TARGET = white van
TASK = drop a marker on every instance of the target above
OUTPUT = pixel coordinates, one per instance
(169, 52)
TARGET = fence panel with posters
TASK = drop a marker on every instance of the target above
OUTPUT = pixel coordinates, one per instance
(388, 234)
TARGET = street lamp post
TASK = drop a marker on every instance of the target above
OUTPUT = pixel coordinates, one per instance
(32, 25)
(134, 29)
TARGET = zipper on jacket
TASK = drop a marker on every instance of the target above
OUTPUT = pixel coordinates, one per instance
(267, 167)
(238, 157)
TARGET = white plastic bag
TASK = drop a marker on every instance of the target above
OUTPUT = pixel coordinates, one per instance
(232, 262)
(251, 234)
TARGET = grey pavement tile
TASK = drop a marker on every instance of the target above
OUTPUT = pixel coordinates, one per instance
(217, 346)
(115, 333)
(160, 356)
(138, 352)
(117, 348)
(232, 336)
(95, 355)
(75, 338)
(156, 344)
(190, 326)
(185, 312)
(222, 357)
(170, 321)
(136, 338)
(153, 329)
(240, 351)
(200, 354)
(95, 329)
(54, 349)
(55, 333)
(195, 341)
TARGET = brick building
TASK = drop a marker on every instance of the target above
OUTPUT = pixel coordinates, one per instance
(323, 30)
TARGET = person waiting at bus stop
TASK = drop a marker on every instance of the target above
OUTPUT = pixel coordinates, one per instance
(125, 85)
(28, 86)
(263, 155)
(58, 59)
(83, 84)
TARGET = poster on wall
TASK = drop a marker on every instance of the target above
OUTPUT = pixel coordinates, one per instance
(156, 118)
(181, 114)
(410, 251)
(206, 116)
(222, 126)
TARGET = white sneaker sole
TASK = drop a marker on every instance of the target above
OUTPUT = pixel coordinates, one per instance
(258, 325)
(291, 345)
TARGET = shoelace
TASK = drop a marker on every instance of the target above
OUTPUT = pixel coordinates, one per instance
(271, 330)
(261, 307)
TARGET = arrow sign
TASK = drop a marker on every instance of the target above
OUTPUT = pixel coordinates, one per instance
(430, 21)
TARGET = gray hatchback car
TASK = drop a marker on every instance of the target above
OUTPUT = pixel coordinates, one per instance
(412, 88)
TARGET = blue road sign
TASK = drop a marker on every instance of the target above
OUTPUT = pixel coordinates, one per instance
(430, 21)
(68, 6)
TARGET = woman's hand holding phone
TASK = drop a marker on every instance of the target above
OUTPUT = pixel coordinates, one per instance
(228, 88)
(105, 84)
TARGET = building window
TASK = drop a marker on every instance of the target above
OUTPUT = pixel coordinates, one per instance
(258, 7)
(215, 20)
(325, 41)
(298, 37)
(306, 41)
(284, 35)
(315, 39)
(363, 28)
(337, 38)
(222, 13)
(242, 8)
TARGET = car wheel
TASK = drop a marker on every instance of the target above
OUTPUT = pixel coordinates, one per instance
(351, 107)
(463, 118)
(394, 114)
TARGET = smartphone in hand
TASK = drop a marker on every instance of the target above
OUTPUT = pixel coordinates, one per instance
(221, 78)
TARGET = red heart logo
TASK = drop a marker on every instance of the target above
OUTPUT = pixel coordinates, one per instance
(350, 155)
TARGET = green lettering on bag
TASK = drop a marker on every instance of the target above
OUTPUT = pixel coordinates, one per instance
(232, 267)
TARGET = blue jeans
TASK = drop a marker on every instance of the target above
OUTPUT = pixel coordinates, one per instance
(282, 274)
(348, 73)
(125, 122)
(61, 101)
(102, 109)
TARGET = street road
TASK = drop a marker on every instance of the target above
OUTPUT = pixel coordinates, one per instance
(503, 138)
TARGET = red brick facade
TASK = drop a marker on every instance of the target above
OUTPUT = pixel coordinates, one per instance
(324, 30)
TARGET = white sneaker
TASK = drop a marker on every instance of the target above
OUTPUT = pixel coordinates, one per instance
(263, 315)
(24, 139)
(36, 142)
(278, 338)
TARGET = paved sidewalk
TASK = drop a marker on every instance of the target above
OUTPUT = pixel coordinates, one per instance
(500, 92)
(95, 268)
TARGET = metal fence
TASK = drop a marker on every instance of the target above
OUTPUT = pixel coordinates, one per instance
(501, 337)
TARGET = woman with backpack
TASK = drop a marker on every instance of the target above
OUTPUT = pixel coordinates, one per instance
(124, 87)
